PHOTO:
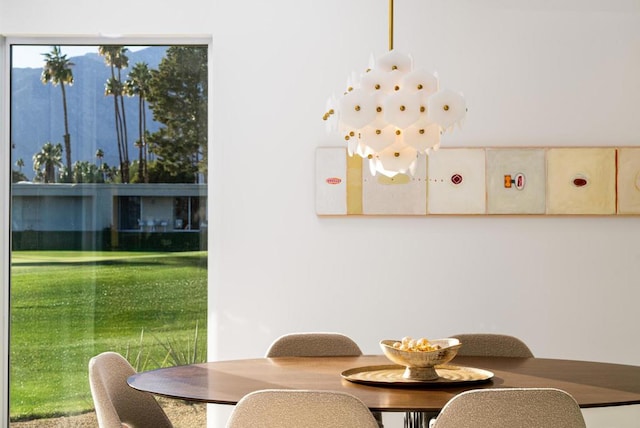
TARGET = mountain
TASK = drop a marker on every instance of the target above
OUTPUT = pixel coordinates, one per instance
(37, 111)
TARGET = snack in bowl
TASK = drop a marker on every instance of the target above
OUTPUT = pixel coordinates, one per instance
(422, 344)
(419, 357)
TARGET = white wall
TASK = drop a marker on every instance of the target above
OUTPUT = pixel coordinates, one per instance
(537, 72)
(534, 73)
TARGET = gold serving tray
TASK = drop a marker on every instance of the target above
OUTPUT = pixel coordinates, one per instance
(391, 375)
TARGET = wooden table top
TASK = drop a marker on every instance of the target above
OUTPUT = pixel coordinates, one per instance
(592, 384)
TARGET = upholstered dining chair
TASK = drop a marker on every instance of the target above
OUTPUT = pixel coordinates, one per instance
(316, 344)
(289, 408)
(476, 344)
(117, 404)
(492, 345)
(509, 408)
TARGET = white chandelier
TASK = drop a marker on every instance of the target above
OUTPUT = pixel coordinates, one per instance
(391, 114)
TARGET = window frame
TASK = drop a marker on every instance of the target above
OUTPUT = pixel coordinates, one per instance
(6, 41)
(5, 251)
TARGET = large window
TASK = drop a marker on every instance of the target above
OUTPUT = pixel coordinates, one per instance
(108, 214)
(129, 213)
(189, 214)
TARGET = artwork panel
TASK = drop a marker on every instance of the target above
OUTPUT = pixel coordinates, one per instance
(354, 185)
(456, 182)
(331, 181)
(581, 181)
(556, 181)
(516, 181)
(629, 181)
(399, 195)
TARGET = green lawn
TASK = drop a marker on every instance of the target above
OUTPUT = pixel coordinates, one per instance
(69, 306)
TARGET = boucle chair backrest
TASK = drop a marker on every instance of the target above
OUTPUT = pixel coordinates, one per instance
(317, 344)
(277, 408)
(511, 408)
(116, 403)
(492, 345)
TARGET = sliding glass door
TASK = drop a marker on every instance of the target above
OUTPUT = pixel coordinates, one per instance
(109, 216)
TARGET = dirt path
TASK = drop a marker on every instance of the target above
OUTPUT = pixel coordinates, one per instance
(183, 415)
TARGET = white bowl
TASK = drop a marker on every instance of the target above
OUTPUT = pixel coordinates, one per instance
(420, 365)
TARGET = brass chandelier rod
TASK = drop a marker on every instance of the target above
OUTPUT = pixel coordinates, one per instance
(390, 24)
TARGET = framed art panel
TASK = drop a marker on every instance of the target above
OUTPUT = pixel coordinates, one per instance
(399, 195)
(456, 182)
(331, 181)
(629, 181)
(581, 181)
(516, 181)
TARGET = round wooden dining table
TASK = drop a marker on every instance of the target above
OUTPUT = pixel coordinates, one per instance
(592, 384)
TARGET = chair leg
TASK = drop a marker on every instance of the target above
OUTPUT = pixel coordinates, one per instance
(418, 419)
(378, 416)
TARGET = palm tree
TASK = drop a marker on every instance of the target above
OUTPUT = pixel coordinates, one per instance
(86, 172)
(57, 71)
(100, 156)
(49, 157)
(17, 176)
(115, 57)
(138, 85)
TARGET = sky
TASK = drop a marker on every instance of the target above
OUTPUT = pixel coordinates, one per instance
(31, 56)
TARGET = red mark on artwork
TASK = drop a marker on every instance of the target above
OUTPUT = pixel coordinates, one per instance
(579, 181)
(456, 179)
